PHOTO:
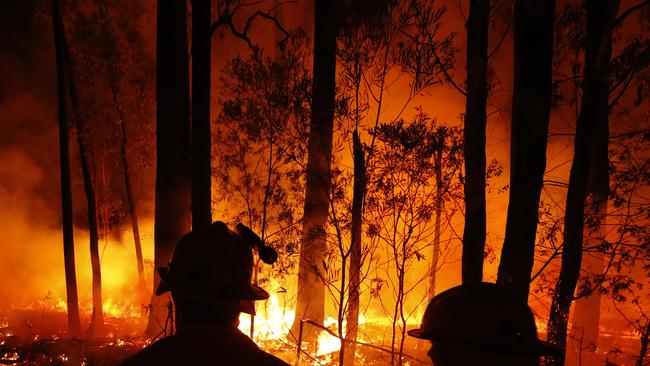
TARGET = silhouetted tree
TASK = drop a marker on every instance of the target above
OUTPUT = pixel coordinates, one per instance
(264, 122)
(173, 201)
(474, 140)
(131, 203)
(97, 320)
(366, 40)
(594, 112)
(402, 201)
(201, 141)
(531, 105)
(74, 324)
(356, 251)
(311, 287)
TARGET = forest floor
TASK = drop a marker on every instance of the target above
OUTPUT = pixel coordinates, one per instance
(37, 338)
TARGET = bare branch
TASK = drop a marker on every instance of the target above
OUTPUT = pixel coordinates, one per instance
(227, 20)
(625, 14)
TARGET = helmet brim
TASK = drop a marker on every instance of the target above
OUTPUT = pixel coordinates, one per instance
(538, 347)
(417, 333)
(225, 292)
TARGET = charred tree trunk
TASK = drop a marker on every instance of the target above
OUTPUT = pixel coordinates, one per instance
(311, 287)
(201, 146)
(531, 106)
(436, 224)
(72, 301)
(97, 320)
(358, 194)
(594, 110)
(173, 196)
(474, 140)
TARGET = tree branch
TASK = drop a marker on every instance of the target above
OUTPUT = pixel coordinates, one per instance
(629, 11)
(226, 20)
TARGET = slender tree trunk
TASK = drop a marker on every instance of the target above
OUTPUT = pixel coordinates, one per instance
(474, 140)
(97, 323)
(97, 320)
(645, 340)
(72, 301)
(173, 191)
(531, 106)
(436, 224)
(201, 144)
(358, 194)
(133, 214)
(311, 287)
(594, 111)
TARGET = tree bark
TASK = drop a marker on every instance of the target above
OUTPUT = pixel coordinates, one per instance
(531, 106)
(173, 196)
(311, 287)
(72, 301)
(358, 194)
(594, 111)
(201, 144)
(474, 140)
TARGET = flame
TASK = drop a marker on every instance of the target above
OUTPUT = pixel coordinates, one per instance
(272, 320)
(327, 343)
(124, 309)
(10, 356)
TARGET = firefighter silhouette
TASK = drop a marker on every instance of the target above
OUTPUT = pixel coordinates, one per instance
(481, 324)
(209, 277)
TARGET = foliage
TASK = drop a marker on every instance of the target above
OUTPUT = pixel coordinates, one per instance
(113, 75)
(260, 143)
(402, 199)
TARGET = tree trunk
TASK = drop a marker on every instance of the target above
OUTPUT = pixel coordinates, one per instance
(72, 301)
(142, 287)
(587, 311)
(311, 287)
(97, 323)
(474, 140)
(201, 144)
(594, 111)
(358, 194)
(436, 224)
(531, 106)
(644, 340)
(97, 320)
(173, 196)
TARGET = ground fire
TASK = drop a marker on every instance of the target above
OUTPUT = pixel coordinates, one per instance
(350, 182)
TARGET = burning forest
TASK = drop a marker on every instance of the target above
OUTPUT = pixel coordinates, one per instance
(320, 176)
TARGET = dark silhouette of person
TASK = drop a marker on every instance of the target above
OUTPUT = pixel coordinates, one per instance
(209, 277)
(481, 324)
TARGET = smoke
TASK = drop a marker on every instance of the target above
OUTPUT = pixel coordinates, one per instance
(31, 255)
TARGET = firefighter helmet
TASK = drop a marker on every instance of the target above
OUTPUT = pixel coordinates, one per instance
(211, 264)
(485, 316)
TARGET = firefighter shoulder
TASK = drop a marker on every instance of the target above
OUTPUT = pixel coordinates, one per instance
(209, 277)
(481, 323)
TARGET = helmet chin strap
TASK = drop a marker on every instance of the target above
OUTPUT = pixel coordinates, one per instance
(267, 254)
